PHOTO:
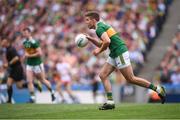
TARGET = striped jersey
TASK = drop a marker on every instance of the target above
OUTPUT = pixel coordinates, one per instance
(117, 45)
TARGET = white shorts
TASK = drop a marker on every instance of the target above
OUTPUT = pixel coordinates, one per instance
(121, 61)
(36, 68)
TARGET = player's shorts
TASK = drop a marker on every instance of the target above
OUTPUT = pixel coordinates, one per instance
(65, 82)
(36, 68)
(16, 73)
(121, 61)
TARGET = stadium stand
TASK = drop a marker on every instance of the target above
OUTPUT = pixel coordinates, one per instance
(55, 24)
(169, 70)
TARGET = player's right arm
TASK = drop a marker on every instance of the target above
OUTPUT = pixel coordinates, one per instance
(14, 60)
(94, 41)
(38, 53)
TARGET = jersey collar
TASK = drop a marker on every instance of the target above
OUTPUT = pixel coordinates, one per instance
(29, 39)
(97, 24)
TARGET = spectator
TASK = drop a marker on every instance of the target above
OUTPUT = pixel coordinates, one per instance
(55, 23)
(169, 66)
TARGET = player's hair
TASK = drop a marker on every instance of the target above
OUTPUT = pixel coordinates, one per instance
(4, 38)
(27, 29)
(93, 15)
(10, 41)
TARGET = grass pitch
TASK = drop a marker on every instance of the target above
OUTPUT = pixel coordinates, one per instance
(89, 111)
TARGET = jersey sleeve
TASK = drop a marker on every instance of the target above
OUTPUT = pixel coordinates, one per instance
(100, 31)
(36, 44)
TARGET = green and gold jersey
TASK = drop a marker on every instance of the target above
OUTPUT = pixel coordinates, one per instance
(117, 45)
(30, 47)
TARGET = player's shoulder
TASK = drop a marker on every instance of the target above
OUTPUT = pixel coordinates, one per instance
(103, 25)
(100, 24)
(34, 41)
(24, 40)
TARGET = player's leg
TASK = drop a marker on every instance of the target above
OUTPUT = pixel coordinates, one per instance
(105, 72)
(14, 76)
(9, 89)
(68, 89)
(94, 90)
(19, 79)
(21, 84)
(38, 85)
(29, 77)
(129, 76)
(41, 75)
(123, 63)
(59, 90)
(46, 83)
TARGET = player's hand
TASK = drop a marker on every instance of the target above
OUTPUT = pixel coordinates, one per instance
(96, 52)
(87, 36)
(27, 55)
(23, 58)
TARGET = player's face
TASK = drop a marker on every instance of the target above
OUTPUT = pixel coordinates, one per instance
(90, 23)
(4, 43)
(26, 33)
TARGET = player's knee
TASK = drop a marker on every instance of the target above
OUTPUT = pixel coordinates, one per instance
(102, 76)
(130, 78)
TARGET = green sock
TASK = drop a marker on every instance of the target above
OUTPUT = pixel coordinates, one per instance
(50, 90)
(109, 96)
(32, 93)
(153, 87)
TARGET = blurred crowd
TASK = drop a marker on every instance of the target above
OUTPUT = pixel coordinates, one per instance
(169, 68)
(55, 24)
(168, 71)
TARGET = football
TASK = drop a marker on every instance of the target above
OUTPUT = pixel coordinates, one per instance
(81, 40)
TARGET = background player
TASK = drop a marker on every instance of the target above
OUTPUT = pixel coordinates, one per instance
(14, 69)
(34, 64)
(63, 68)
(118, 58)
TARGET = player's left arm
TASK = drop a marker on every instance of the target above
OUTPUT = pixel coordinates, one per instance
(14, 60)
(38, 53)
(105, 44)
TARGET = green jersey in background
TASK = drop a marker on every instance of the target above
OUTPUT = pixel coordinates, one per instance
(30, 47)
